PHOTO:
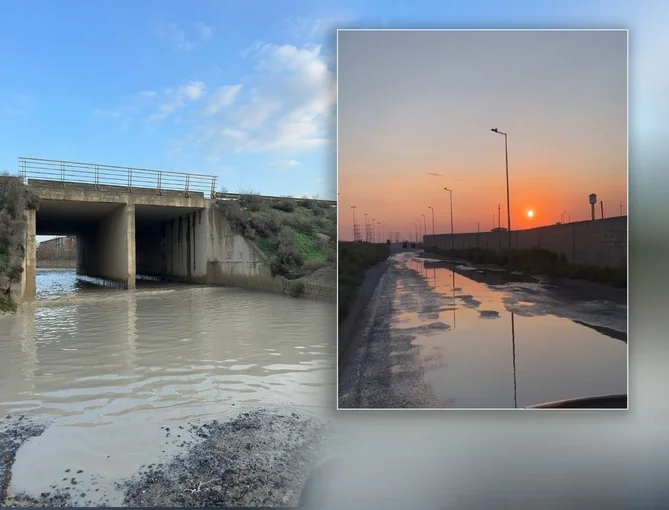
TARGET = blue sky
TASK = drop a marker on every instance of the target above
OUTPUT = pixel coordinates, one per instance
(244, 90)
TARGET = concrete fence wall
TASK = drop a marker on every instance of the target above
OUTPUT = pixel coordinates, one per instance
(593, 243)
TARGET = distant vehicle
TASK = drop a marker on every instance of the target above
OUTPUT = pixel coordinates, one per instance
(404, 244)
(413, 245)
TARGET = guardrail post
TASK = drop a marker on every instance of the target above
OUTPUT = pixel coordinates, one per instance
(160, 178)
(62, 174)
(130, 180)
(187, 183)
(213, 187)
(97, 178)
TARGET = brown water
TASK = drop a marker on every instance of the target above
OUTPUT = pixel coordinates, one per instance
(107, 369)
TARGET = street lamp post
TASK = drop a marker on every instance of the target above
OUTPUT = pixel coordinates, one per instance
(424, 226)
(508, 200)
(450, 192)
(416, 226)
(430, 207)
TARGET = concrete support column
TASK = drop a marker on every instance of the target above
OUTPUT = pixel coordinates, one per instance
(131, 246)
(107, 250)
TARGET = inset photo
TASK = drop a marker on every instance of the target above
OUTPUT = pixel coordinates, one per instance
(483, 227)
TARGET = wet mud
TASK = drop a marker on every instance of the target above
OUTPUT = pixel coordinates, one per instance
(14, 431)
(259, 458)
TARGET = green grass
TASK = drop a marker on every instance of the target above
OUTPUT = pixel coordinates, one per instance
(540, 262)
(7, 305)
(286, 231)
(354, 260)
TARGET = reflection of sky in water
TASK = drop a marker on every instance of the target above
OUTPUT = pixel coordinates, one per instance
(465, 339)
(109, 368)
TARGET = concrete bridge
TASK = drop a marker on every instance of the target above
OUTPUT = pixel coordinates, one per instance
(131, 222)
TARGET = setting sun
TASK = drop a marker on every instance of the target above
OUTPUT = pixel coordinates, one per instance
(530, 213)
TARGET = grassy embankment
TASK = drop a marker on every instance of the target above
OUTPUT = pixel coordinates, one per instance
(297, 235)
(539, 262)
(354, 260)
(15, 198)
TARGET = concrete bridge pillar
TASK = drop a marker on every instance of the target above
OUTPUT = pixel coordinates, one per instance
(107, 249)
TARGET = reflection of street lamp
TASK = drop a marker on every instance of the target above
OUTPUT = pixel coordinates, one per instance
(430, 207)
(450, 191)
(513, 347)
(508, 201)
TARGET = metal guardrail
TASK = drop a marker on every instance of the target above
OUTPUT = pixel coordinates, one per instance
(68, 173)
(237, 196)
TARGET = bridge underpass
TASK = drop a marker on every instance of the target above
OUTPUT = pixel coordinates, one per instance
(121, 231)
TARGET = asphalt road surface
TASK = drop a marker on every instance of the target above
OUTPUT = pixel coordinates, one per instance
(445, 335)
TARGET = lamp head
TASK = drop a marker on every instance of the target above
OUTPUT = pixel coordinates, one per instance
(495, 130)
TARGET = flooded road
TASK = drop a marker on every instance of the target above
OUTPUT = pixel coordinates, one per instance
(117, 376)
(450, 336)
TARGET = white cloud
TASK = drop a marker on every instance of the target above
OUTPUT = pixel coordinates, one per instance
(288, 163)
(17, 105)
(292, 108)
(205, 31)
(306, 28)
(288, 108)
(183, 40)
(222, 98)
(171, 100)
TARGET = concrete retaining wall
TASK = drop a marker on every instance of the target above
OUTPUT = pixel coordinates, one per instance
(202, 247)
(593, 243)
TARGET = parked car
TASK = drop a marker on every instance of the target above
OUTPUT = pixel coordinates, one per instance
(404, 244)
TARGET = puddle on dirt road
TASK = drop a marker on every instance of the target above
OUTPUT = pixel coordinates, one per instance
(491, 340)
(119, 375)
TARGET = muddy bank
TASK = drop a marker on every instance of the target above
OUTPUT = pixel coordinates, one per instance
(260, 458)
(14, 431)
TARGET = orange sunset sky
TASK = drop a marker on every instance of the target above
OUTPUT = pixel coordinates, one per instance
(415, 110)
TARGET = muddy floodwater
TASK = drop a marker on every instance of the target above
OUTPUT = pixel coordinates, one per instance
(448, 335)
(117, 376)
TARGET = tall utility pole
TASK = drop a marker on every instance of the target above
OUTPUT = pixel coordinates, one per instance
(416, 226)
(424, 226)
(508, 200)
(355, 226)
(499, 215)
(373, 225)
(366, 232)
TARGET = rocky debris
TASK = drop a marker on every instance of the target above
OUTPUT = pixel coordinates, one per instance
(260, 458)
